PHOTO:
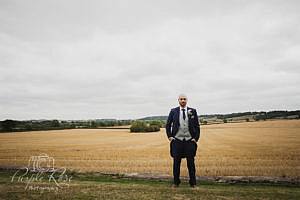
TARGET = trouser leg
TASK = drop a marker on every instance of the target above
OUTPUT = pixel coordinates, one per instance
(192, 170)
(176, 169)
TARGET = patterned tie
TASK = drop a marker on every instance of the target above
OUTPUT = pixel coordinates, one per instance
(183, 111)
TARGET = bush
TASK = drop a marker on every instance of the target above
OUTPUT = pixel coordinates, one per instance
(141, 126)
(152, 128)
(156, 123)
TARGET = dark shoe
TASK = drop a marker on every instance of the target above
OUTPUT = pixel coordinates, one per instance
(192, 185)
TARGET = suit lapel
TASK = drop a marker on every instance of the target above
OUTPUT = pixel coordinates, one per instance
(189, 116)
(178, 114)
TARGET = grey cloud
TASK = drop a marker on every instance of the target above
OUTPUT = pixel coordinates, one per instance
(129, 59)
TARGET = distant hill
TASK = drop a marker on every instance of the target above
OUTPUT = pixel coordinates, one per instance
(163, 118)
(261, 115)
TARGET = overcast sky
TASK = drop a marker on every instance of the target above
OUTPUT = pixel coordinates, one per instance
(68, 59)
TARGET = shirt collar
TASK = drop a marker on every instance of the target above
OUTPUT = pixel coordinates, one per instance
(185, 108)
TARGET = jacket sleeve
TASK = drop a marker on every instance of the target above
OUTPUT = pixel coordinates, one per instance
(169, 124)
(197, 126)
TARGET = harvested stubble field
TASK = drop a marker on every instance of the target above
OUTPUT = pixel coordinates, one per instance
(269, 148)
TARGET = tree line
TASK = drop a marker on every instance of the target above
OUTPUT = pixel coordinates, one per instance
(147, 124)
(39, 125)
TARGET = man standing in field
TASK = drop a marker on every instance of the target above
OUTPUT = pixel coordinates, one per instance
(183, 131)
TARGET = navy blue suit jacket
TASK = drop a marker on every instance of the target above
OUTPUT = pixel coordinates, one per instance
(173, 123)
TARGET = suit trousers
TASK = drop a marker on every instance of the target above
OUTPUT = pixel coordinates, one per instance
(184, 149)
